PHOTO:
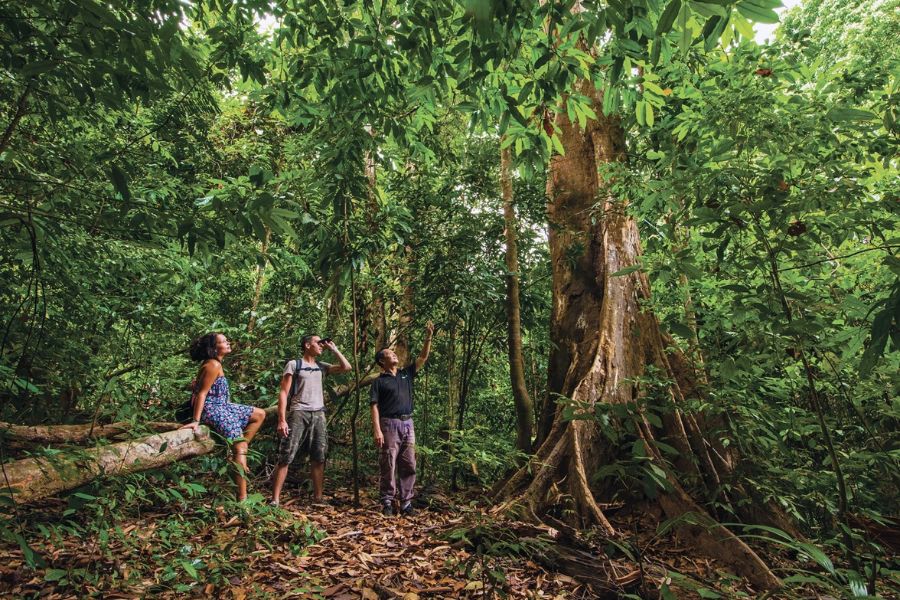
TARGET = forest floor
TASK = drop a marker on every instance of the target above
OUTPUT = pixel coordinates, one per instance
(164, 536)
(453, 547)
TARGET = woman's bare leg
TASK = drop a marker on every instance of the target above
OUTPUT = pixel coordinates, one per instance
(256, 420)
(240, 463)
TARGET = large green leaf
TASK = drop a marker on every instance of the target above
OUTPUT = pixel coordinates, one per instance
(667, 19)
(755, 12)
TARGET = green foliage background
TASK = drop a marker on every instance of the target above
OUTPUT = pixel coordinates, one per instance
(155, 169)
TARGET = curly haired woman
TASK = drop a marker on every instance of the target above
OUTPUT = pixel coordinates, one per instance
(212, 404)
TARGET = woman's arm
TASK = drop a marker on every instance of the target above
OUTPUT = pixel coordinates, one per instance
(208, 374)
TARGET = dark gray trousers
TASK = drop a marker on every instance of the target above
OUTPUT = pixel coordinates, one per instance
(397, 454)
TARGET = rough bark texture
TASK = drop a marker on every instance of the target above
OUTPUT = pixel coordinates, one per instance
(521, 398)
(73, 434)
(34, 478)
(604, 342)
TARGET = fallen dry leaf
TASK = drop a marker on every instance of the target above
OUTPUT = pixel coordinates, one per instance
(369, 594)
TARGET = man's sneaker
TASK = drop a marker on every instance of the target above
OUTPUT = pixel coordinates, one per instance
(387, 510)
(408, 510)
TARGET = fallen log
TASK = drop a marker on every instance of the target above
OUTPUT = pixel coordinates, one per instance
(33, 478)
(74, 434)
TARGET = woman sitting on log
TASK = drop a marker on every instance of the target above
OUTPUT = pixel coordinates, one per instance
(237, 423)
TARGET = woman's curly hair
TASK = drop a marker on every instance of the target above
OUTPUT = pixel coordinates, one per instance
(204, 347)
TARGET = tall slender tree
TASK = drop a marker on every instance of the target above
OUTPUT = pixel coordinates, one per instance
(521, 398)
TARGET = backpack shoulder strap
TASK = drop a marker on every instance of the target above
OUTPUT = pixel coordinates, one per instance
(297, 364)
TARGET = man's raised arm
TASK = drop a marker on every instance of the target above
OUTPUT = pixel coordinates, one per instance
(426, 346)
(343, 364)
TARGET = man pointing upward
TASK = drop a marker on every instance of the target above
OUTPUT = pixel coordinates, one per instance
(392, 408)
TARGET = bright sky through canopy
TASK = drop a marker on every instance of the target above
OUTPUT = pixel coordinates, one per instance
(766, 31)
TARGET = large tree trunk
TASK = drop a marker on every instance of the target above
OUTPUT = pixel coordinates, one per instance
(521, 399)
(38, 477)
(605, 341)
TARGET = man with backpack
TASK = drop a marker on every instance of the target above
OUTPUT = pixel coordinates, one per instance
(301, 412)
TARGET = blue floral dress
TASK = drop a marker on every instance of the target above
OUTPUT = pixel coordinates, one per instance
(227, 418)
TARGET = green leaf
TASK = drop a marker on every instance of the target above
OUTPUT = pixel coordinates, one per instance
(189, 568)
(667, 19)
(55, 574)
(120, 181)
(850, 114)
(684, 40)
(38, 67)
(626, 271)
(557, 144)
(681, 330)
(817, 555)
(757, 13)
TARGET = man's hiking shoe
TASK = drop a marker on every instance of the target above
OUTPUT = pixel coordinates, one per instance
(408, 510)
(387, 510)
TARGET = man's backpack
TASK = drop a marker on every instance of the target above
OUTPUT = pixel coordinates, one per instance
(297, 364)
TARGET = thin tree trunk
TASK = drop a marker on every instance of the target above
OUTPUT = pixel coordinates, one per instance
(407, 307)
(522, 400)
(452, 374)
(260, 280)
(355, 416)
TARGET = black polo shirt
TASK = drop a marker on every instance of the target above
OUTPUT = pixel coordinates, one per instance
(394, 393)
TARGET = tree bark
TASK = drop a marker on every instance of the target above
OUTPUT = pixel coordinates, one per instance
(34, 478)
(73, 434)
(452, 373)
(406, 274)
(260, 279)
(605, 341)
(521, 398)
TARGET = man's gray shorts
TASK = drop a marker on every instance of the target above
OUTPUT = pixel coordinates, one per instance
(307, 434)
